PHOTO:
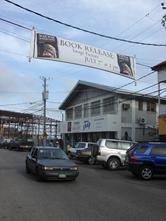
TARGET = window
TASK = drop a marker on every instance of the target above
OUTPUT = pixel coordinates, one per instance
(151, 107)
(78, 112)
(159, 150)
(69, 114)
(140, 105)
(111, 144)
(141, 149)
(34, 153)
(80, 145)
(125, 106)
(86, 110)
(52, 154)
(108, 105)
(124, 146)
(95, 108)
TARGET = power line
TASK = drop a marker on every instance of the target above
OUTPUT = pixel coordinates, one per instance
(89, 107)
(29, 41)
(114, 101)
(18, 103)
(33, 106)
(156, 31)
(12, 52)
(13, 23)
(13, 35)
(137, 21)
(118, 88)
(139, 33)
(81, 29)
(144, 65)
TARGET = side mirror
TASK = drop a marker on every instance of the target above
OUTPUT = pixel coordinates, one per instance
(34, 158)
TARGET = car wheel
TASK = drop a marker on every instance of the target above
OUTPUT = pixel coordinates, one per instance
(146, 172)
(113, 163)
(27, 169)
(91, 161)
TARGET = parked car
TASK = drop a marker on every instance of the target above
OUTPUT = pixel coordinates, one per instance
(50, 163)
(80, 146)
(112, 152)
(20, 145)
(146, 159)
(4, 143)
(88, 154)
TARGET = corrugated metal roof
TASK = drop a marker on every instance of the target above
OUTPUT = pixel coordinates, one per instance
(159, 66)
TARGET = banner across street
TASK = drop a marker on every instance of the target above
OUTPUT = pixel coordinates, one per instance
(54, 48)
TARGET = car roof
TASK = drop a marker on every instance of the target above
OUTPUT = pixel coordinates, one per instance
(154, 142)
(46, 147)
(115, 140)
(86, 142)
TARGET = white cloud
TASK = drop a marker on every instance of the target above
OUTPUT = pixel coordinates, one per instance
(17, 86)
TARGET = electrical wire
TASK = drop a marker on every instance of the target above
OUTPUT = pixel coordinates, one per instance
(29, 42)
(13, 23)
(118, 88)
(18, 103)
(13, 35)
(139, 20)
(89, 107)
(84, 30)
(135, 36)
(12, 52)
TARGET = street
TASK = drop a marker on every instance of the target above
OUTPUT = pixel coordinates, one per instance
(97, 194)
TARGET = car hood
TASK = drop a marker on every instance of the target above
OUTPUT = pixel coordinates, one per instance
(57, 163)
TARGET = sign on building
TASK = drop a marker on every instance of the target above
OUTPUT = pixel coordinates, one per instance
(54, 48)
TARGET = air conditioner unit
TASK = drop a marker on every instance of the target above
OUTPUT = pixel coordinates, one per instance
(125, 106)
(142, 121)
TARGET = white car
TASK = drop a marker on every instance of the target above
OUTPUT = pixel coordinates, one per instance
(72, 152)
(112, 152)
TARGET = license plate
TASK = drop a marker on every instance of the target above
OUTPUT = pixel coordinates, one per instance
(62, 176)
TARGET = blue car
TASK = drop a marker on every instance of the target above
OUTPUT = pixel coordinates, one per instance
(146, 159)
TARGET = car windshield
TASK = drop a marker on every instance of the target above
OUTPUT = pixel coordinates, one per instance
(80, 145)
(52, 154)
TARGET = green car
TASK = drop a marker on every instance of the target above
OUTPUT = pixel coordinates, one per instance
(50, 163)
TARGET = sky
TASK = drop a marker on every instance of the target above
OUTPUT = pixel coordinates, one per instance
(21, 82)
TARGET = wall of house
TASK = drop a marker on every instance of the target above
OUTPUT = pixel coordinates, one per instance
(125, 122)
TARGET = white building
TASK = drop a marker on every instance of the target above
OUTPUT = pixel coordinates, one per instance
(94, 111)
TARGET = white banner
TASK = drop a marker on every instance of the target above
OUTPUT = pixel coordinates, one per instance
(59, 49)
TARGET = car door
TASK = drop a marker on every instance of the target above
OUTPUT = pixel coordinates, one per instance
(158, 154)
(112, 149)
(123, 147)
(33, 160)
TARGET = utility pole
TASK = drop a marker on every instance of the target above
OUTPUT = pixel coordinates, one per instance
(45, 97)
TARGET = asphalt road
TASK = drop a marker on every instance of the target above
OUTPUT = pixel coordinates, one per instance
(97, 194)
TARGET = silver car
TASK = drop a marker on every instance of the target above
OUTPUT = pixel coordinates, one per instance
(112, 152)
(72, 152)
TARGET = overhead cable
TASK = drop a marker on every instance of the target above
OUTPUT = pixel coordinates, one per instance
(13, 23)
(14, 35)
(81, 29)
(118, 88)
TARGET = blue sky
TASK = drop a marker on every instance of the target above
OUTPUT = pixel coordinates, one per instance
(20, 81)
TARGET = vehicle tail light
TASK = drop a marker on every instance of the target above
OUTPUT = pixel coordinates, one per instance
(133, 158)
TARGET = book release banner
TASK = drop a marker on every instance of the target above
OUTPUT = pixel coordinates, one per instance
(54, 48)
